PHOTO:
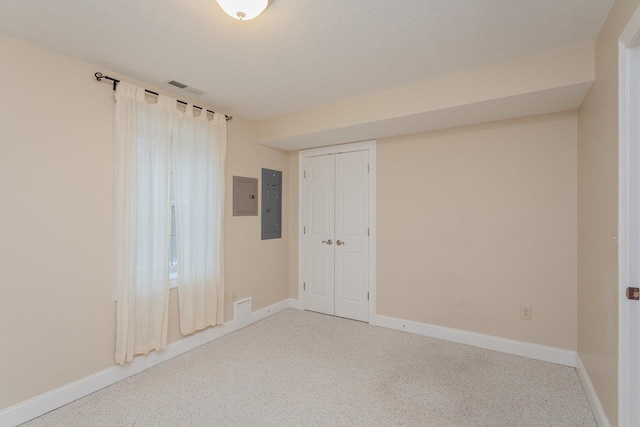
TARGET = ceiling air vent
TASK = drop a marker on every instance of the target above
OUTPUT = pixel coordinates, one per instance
(177, 84)
(188, 88)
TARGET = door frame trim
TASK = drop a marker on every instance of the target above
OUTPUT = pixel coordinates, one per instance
(337, 149)
(628, 135)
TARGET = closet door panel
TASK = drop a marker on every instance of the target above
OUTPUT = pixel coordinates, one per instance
(351, 234)
(319, 220)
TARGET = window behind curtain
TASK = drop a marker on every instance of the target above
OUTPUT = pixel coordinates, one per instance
(173, 252)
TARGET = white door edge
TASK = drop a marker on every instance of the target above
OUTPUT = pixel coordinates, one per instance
(337, 149)
(628, 201)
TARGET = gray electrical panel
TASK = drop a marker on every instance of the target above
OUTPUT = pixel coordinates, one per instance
(245, 196)
(271, 204)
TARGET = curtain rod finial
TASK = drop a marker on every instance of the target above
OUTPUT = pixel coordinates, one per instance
(100, 76)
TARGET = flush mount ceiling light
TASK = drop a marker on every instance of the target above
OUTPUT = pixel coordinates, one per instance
(243, 10)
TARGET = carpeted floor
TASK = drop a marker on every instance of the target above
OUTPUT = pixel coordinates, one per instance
(300, 368)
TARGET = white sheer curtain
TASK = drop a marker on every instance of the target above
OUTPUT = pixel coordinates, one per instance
(143, 214)
(158, 146)
(199, 147)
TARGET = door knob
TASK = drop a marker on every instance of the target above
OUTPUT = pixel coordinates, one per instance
(339, 242)
(328, 242)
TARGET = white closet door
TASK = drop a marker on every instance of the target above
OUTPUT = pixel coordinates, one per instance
(319, 196)
(352, 241)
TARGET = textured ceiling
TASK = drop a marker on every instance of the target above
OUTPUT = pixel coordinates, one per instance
(299, 53)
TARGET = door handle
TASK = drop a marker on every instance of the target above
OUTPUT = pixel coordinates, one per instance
(328, 242)
(339, 242)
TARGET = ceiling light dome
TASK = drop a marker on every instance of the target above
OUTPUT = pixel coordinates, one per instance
(243, 9)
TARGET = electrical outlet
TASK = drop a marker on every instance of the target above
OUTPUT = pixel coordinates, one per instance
(525, 312)
(230, 296)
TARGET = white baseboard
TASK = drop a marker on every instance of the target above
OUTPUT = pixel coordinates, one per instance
(293, 303)
(39, 405)
(271, 310)
(519, 348)
(61, 396)
(596, 407)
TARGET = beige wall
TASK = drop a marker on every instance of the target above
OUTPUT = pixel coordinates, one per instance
(57, 313)
(476, 221)
(598, 216)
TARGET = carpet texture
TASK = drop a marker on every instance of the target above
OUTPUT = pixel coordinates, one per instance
(302, 369)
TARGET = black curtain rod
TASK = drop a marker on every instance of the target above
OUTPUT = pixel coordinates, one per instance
(100, 76)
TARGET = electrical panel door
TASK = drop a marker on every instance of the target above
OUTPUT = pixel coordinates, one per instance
(271, 204)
